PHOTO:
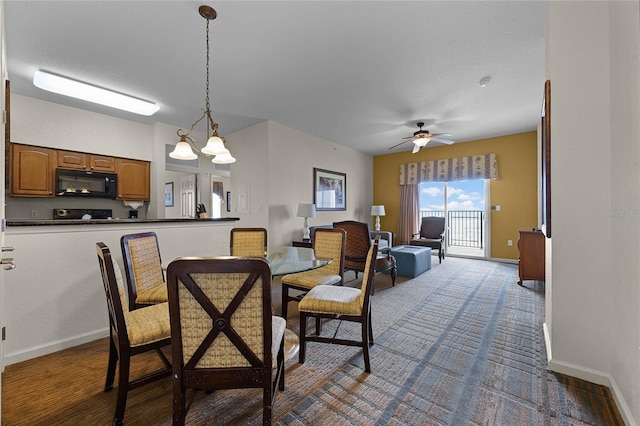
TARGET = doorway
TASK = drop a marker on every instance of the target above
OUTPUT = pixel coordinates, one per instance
(464, 205)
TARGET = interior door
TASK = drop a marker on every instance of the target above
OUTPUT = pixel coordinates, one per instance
(188, 196)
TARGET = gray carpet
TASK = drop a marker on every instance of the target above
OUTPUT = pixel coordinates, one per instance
(460, 344)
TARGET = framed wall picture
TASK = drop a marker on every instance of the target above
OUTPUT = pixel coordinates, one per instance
(329, 190)
(545, 179)
(168, 194)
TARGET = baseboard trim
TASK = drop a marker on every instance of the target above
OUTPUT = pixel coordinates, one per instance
(34, 352)
(597, 377)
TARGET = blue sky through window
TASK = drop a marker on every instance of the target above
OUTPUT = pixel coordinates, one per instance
(463, 195)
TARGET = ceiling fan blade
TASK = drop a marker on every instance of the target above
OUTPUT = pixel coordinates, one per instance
(441, 134)
(416, 148)
(441, 140)
(398, 144)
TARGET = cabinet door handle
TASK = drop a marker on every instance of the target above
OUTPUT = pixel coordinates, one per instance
(8, 249)
(8, 262)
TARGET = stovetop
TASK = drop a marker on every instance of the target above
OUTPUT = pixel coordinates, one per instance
(82, 213)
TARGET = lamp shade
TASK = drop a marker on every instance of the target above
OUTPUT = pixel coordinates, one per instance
(214, 146)
(377, 210)
(306, 210)
(183, 151)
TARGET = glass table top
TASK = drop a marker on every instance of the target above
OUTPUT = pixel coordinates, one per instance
(288, 260)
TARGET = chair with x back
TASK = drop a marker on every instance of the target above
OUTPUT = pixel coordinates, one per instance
(342, 303)
(328, 243)
(248, 242)
(132, 332)
(143, 267)
(224, 334)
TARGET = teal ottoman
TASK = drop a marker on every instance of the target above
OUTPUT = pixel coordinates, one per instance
(412, 261)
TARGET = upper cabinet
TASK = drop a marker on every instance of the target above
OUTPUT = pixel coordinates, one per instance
(32, 171)
(82, 161)
(133, 179)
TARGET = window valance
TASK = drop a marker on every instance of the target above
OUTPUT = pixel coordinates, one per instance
(472, 167)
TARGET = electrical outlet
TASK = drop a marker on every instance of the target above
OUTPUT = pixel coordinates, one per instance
(34, 213)
(509, 243)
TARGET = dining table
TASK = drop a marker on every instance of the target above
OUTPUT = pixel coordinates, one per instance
(285, 260)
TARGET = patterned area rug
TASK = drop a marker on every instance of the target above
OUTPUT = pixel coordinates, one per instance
(460, 344)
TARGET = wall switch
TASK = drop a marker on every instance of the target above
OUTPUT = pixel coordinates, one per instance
(34, 213)
(509, 243)
(497, 208)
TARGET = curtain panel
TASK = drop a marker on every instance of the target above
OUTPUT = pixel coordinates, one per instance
(464, 168)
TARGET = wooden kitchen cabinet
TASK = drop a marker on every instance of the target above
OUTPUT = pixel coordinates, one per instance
(531, 265)
(32, 171)
(134, 179)
(82, 161)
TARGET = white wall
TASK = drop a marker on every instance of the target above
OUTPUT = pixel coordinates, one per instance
(275, 169)
(594, 283)
(292, 157)
(54, 298)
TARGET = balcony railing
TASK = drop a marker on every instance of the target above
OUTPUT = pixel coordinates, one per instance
(466, 227)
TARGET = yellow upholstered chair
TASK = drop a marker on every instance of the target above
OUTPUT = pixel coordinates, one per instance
(343, 303)
(145, 279)
(328, 243)
(132, 332)
(224, 334)
(248, 242)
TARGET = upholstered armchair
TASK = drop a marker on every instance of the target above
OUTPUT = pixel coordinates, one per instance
(358, 244)
(432, 233)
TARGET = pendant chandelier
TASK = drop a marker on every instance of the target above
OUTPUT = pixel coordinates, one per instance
(215, 144)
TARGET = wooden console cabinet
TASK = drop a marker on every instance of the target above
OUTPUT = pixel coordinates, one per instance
(531, 264)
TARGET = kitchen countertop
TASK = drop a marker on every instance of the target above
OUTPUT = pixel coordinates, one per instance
(48, 222)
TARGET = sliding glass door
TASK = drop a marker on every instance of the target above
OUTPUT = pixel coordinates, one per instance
(463, 204)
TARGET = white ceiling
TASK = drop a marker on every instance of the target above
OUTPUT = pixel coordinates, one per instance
(359, 73)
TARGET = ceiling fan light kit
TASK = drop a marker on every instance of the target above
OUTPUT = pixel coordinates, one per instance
(421, 138)
(215, 144)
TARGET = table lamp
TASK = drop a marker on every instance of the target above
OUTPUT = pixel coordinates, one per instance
(377, 211)
(306, 211)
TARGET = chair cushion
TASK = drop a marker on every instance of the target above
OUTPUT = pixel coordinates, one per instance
(310, 279)
(156, 294)
(278, 325)
(329, 299)
(148, 324)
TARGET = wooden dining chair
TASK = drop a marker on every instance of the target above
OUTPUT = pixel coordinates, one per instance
(342, 303)
(224, 335)
(328, 243)
(143, 267)
(131, 333)
(248, 242)
(358, 244)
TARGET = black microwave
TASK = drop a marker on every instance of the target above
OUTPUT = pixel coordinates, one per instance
(82, 183)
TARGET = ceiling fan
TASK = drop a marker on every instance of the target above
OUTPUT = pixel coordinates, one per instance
(421, 138)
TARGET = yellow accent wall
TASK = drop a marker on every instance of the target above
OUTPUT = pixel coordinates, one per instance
(515, 191)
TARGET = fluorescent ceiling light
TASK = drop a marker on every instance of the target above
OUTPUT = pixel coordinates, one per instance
(87, 92)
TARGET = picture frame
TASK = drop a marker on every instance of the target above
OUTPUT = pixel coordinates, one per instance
(168, 194)
(329, 190)
(228, 201)
(545, 178)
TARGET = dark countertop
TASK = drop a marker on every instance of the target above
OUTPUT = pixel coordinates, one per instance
(40, 222)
